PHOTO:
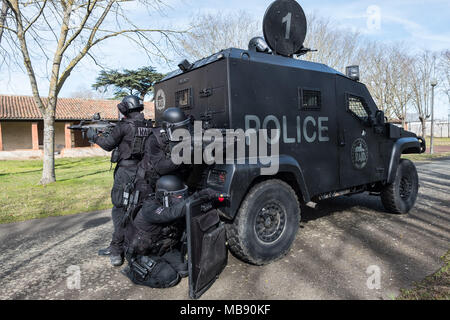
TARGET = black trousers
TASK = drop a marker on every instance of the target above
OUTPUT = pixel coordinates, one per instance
(122, 176)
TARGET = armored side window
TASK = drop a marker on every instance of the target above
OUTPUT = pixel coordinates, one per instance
(356, 106)
(183, 98)
(310, 99)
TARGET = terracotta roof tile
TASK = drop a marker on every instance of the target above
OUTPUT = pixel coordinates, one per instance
(24, 108)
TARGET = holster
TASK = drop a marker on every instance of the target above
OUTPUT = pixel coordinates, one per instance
(115, 156)
(133, 206)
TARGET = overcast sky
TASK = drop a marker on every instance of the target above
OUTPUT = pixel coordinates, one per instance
(420, 24)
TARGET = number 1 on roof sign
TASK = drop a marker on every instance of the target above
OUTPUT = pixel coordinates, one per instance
(287, 19)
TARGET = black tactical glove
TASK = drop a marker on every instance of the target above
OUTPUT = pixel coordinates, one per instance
(91, 134)
(208, 194)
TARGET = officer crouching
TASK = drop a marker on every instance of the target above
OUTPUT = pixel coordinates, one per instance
(127, 140)
(153, 239)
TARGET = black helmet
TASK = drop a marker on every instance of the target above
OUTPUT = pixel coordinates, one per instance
(170, 189)
(258, 44)
(131, 104)
(172, 119)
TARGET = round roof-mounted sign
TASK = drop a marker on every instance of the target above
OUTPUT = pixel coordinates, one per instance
(284, 27)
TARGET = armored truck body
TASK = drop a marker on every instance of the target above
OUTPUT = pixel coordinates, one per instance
(320, 114)
(333, 140)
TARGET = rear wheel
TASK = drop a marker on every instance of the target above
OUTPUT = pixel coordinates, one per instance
(266, 224)
(400, 196)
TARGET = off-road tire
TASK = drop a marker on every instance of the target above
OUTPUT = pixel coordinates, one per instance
(265, 198)
(400, 196)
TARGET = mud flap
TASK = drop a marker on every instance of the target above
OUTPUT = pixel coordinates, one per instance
(207, 252)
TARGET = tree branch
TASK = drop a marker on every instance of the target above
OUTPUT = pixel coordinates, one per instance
(14, 5)
(36, 17)
(89, 8)
(53, 91)
(86, 48)
(3, 14)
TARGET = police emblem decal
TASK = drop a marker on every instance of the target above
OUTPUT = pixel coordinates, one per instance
(360, 154)
(160, 100)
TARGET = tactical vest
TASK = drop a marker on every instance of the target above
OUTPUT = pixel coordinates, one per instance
(162, 141)
(142, 130)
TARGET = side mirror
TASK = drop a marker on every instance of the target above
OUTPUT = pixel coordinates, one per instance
(379, 115)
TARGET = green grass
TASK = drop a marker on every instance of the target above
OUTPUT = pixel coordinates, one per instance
(83, 185)
(425, 156)
(434, 287)
(439, 141)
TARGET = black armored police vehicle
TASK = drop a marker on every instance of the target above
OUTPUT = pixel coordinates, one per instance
(333, 140)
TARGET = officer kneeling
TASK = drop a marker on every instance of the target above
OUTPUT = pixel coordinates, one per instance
(153, 239)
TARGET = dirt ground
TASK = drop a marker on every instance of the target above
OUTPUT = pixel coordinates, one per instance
(337, 244)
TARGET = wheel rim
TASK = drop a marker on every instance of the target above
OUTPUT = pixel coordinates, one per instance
(405, 188)
(270, 222)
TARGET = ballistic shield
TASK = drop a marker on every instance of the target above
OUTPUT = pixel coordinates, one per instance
(207, 251)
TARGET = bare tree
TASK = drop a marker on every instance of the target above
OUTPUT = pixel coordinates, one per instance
(3, 13)
(421, 86)
(401, 67)
(336, 47)
(444, 71)
(211, 32)
(386, 72)
(59, 34)
(376, 75)
(84, 92)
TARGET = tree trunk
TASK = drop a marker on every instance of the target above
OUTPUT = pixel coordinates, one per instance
(3, 13)
(424, 129)
(48, 171)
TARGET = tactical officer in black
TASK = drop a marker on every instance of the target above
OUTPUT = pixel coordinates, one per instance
(157, 160)
(153, 238)
(127, 140)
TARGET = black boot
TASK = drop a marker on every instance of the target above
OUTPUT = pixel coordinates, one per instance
(104, 252)
(116, 261)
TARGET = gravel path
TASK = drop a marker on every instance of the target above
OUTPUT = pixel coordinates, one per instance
(335, 245)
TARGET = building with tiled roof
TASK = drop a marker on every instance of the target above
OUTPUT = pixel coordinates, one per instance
(22, 126)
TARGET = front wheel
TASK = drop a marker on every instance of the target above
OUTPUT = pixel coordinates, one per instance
(400, 196)
(266, 224)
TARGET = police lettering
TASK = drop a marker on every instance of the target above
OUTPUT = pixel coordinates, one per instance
(310, 129)
(143, 132)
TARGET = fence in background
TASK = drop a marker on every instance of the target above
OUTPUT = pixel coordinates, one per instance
(441, 128)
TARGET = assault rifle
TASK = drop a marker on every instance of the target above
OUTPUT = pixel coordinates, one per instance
(100, 126)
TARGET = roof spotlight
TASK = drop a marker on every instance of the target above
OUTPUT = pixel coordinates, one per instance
(352, 72)
(185, 65)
